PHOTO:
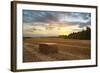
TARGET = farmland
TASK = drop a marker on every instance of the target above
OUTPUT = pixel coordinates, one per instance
(68, 49)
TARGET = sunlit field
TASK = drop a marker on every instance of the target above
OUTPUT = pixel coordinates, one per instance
(66, 49)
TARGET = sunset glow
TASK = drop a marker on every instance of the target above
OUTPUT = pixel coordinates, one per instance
(46, 23)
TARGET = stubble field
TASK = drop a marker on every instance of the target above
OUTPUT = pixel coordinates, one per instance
(67, 49)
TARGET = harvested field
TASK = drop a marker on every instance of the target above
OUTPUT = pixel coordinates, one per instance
(67, 49)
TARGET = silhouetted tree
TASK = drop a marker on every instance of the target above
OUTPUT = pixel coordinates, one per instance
(82, 35)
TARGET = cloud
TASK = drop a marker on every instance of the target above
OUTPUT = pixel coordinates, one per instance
(39, 16)
(43, 23)
(33, 30)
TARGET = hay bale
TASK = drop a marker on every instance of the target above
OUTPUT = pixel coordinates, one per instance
(48, 48)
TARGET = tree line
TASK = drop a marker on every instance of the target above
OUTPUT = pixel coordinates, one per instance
(82, 35)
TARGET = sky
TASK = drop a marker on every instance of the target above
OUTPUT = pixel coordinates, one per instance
(53, 23)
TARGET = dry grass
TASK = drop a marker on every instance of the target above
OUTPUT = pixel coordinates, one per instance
(67, 49)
